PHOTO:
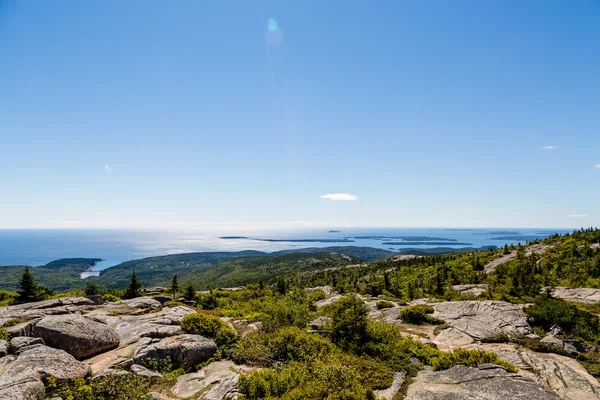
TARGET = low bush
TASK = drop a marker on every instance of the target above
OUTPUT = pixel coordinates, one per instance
(326, 379)
(548, 311)
(173, 304)
(4, 335)
(111, 387)
(209, 326)
(286, 344)
(382, 304)
(419, 315)
(110, 297)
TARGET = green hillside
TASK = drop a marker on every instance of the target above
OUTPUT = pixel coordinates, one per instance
(59, 275)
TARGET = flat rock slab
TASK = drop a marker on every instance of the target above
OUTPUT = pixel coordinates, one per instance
(164, 323)
(137, 306)
(216, 381)
(578, 295)
(78, 335)
(487, 382)
(23, 388)
(563, 375)
(36, 364)
(529, 250)
(40, 309)
(20, 344)
(483, 319)
(185, 351)
(475, 289)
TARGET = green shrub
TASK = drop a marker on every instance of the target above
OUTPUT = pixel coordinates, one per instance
(591, 362)
(162, 365)
(419, 315)
(382, 304)
(500, 338)
(110, 297)
(209, 326)
(548, 311)
(327, 379)
(173, 304)
(292, 309)
(317, 295)
(111, 387)
(287, 344)
(470, 358)
(7, 297)
(4, 335)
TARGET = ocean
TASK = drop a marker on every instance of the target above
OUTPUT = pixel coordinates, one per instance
(37, 247)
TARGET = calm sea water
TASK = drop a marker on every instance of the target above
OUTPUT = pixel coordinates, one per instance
(38, 247)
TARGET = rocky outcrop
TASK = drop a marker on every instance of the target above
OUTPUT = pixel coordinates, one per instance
(22, 388)
(131, 328)
(529, 250)
(78, 335)
(3, 348)
(22, 379)
(137, 306)
(40, 309)
(216, 381)
(140, 370)
(577, 295)
(47, 361)
(23, 343)
(483, 320)
(563, 375)
(475, 289)
(185, 351)
(487, 382)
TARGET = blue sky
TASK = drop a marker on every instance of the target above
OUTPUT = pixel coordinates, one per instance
(193, 113)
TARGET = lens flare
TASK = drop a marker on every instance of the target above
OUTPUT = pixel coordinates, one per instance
(272, 24)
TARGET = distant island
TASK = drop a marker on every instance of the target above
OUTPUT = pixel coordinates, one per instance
(333, 231)
(518, 238)
(425, 243)
(345, 240)
(408, 238)
(499, 233)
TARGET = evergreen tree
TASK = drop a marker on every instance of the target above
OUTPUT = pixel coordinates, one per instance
(174, 286)
(134, 289)
(28, 288)
(189, 293)
(281, 285)
(91, 289)
(386, 281)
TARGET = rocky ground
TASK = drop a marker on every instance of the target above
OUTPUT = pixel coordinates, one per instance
(77, 337)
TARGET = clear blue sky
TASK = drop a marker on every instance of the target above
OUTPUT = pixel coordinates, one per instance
(431, 113)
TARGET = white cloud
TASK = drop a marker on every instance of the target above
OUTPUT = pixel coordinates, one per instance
(549, 147)
(107, 167)
(597, 166)
(577, 215)
(340, 197)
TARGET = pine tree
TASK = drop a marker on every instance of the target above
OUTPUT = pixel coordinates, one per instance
(189, 293)
(281, 285)
(28, 288)
(174, 286)
(134, 289)
(91, 289)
